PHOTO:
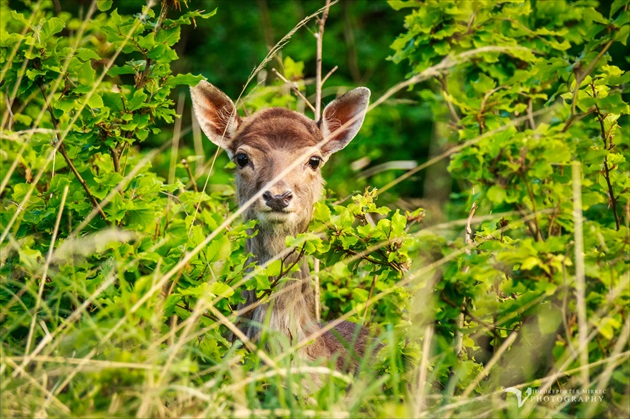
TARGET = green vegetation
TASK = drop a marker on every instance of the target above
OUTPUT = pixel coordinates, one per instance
(478, 224)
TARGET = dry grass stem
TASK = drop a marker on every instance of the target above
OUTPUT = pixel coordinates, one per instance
(580, 282)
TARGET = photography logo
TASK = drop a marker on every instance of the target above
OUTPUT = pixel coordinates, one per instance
(557, 395)
(519, 394)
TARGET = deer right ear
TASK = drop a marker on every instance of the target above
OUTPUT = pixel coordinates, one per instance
(215, 112)
(347, 109)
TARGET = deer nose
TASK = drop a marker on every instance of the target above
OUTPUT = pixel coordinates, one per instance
(277, 202)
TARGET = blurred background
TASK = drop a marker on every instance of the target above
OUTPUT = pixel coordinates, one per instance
(357, 36)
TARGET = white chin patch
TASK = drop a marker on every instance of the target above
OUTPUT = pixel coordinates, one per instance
(276, 217)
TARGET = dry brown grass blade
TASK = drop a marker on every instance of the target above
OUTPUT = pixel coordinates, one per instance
(580, 282)
(38, 301)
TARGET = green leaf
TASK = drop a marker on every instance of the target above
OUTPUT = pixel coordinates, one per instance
(170, 303)
(483, 84)
(85, 54)
(138, 99)
(221, 290)
(19, 17)
(52, 26)
(124, 69)
(399, 223)
(293, 70)
(104, 5)
(359, 295)
(142, 134)
(31, 259)
(168, 36)
(401, 4)
(608, 327)
(622, 34)
(530, 263)
(184, 79)
(140, 216)
(113, 101)
(496, 194)
(218, 249)
(95, 101)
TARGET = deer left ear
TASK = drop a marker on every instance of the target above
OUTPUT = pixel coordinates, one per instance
(349, 107)
(215, 112)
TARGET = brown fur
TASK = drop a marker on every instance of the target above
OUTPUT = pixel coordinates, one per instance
(272, 139)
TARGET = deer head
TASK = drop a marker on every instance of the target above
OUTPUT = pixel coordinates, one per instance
(266, 143)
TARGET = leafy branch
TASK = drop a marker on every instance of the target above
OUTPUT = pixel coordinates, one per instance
(607, 146)
(64, 153)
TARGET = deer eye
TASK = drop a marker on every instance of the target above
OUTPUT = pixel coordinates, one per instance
(314, 162)
(241, 159)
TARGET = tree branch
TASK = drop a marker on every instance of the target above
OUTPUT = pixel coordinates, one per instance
(318, 68)
(532, 198)
(579, 77)
(64, 153)
(115, 159)
(613, 201)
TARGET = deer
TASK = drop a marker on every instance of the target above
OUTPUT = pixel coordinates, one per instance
(262, 146)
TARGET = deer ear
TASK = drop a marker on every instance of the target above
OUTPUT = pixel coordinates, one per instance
(351, 105)
(215, 112)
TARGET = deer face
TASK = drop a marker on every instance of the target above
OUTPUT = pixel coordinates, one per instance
(264, 145)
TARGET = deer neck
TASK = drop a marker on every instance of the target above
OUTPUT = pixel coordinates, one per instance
(269, 242)
(291, 308)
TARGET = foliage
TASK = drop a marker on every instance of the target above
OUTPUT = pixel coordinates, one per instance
(121, 263)
(539, 94)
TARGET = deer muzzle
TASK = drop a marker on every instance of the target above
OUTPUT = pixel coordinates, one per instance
(277, 202)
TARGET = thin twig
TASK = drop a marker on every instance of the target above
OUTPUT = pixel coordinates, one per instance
(318, 68)
(459, 336)
(469, 232)
(283, 271)
(607, 146)
(115, 159)
(530, 115)
(482, 108)
(293, 87)
(449, 103)
(539, 235)
(190, 175)
(367, 307)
